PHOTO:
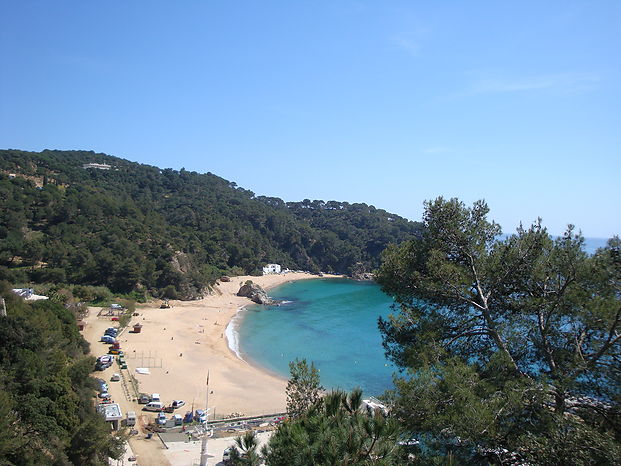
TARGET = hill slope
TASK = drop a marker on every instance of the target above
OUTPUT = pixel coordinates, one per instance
(137, 227)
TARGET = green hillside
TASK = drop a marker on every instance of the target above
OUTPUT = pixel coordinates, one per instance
(47, 415)
(136, 227)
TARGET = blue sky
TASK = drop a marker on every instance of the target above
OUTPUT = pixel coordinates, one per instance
(388, 103)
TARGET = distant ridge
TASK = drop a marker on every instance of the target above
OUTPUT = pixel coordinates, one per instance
(88, 218)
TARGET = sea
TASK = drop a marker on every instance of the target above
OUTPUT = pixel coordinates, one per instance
(330, 322)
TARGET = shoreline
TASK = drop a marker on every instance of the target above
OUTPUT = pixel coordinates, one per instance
(183, 344)
(239, 316)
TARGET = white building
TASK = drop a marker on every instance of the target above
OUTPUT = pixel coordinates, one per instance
(112, 413)
(99, 166)
(28, 294)
(271, 268)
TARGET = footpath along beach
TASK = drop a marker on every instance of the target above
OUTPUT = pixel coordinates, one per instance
(182, 344)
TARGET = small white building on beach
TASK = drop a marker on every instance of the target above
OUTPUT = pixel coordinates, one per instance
(271, 268)
(112, 413)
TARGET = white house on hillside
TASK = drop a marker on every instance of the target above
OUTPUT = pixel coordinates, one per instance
(271, 268)
(99, 166)
(28, 294)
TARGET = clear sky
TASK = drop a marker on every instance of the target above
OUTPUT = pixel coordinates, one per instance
(384, 102)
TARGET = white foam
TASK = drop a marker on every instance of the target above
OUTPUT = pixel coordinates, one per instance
(232, 333)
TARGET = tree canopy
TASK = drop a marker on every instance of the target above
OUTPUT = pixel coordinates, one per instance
(511, 346)
(304, 387)
(324, 428)
(47, 415)
(337, 430)
(139, 228)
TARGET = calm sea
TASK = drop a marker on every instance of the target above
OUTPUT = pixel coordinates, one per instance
(331, 322)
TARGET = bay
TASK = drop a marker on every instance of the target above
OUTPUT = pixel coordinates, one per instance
(331, 322)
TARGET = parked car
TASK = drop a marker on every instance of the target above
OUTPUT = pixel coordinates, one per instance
(200, 415)
(115, 377)
(155, 397)
(104, 396)
(154, 406)
(103, 386)
(177, 419)
(143, 399)
(108, 339)
(188, 417)
(102, 366)
(177, 404)
(161, 419)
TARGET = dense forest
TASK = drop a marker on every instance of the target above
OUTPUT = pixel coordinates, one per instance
(47, 415)
(137, 228)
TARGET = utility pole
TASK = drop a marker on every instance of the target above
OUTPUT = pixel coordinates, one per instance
(205, 435)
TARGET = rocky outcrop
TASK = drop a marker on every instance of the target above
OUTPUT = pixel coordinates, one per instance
(255, 293)
(360, 273)
(185, 288)
(364, 276)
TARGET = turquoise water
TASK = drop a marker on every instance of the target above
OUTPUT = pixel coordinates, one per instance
(332, 322)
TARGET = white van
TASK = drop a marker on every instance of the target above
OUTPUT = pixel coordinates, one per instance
(154, 406)
(155, 397)
(131, 418)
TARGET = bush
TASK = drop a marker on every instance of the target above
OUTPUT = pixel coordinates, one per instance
(169, 292)
(92, 293)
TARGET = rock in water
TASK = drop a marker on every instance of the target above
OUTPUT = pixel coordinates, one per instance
(255, 293)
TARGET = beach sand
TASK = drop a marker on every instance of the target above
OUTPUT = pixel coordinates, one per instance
(181, 345)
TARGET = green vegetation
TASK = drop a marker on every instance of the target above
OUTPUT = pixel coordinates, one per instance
(47, 415)
(335, 428)
(303, 389)
(512, 347)
(136, 228)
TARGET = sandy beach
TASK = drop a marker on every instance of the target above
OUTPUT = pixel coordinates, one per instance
(181, 345)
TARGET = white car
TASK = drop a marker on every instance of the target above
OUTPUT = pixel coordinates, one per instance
(177, 404)
(161, 419)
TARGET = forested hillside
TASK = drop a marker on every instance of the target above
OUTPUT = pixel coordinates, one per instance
(47, 414)
(140, 228)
